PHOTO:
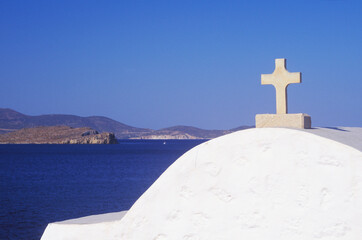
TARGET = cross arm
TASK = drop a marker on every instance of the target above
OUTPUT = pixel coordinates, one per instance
(267, 79)
(295, 77)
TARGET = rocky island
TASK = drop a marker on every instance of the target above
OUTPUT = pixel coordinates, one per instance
(57, 135)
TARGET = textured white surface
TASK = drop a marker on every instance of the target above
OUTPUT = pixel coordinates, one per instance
(93, 227)
(253, 184)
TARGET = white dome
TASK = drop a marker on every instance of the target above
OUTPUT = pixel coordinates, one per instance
(254, 184)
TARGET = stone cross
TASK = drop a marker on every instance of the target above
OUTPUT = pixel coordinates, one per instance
(280, 79)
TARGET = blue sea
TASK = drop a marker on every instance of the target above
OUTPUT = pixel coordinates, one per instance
(40, 184)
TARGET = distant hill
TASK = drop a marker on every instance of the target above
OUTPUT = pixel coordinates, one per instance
(57, 135)
(183, 132)
(11, 120)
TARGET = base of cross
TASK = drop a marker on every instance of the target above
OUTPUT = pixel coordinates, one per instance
(299, 120)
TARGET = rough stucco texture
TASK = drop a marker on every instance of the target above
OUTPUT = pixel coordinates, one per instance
(254, 184)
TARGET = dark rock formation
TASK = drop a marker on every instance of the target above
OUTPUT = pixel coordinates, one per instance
(90, 132)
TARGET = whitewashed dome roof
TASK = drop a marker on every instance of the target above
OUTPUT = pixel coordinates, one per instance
(254, 184)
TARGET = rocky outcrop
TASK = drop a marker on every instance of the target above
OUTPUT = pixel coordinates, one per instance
(100, 138)
(57, 135)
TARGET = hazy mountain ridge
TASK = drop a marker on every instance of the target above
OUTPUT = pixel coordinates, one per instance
(11, 120)
(183, 132)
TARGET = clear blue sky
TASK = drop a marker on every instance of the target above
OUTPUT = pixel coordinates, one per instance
(157, 63)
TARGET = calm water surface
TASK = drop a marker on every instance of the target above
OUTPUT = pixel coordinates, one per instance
(47, 183)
